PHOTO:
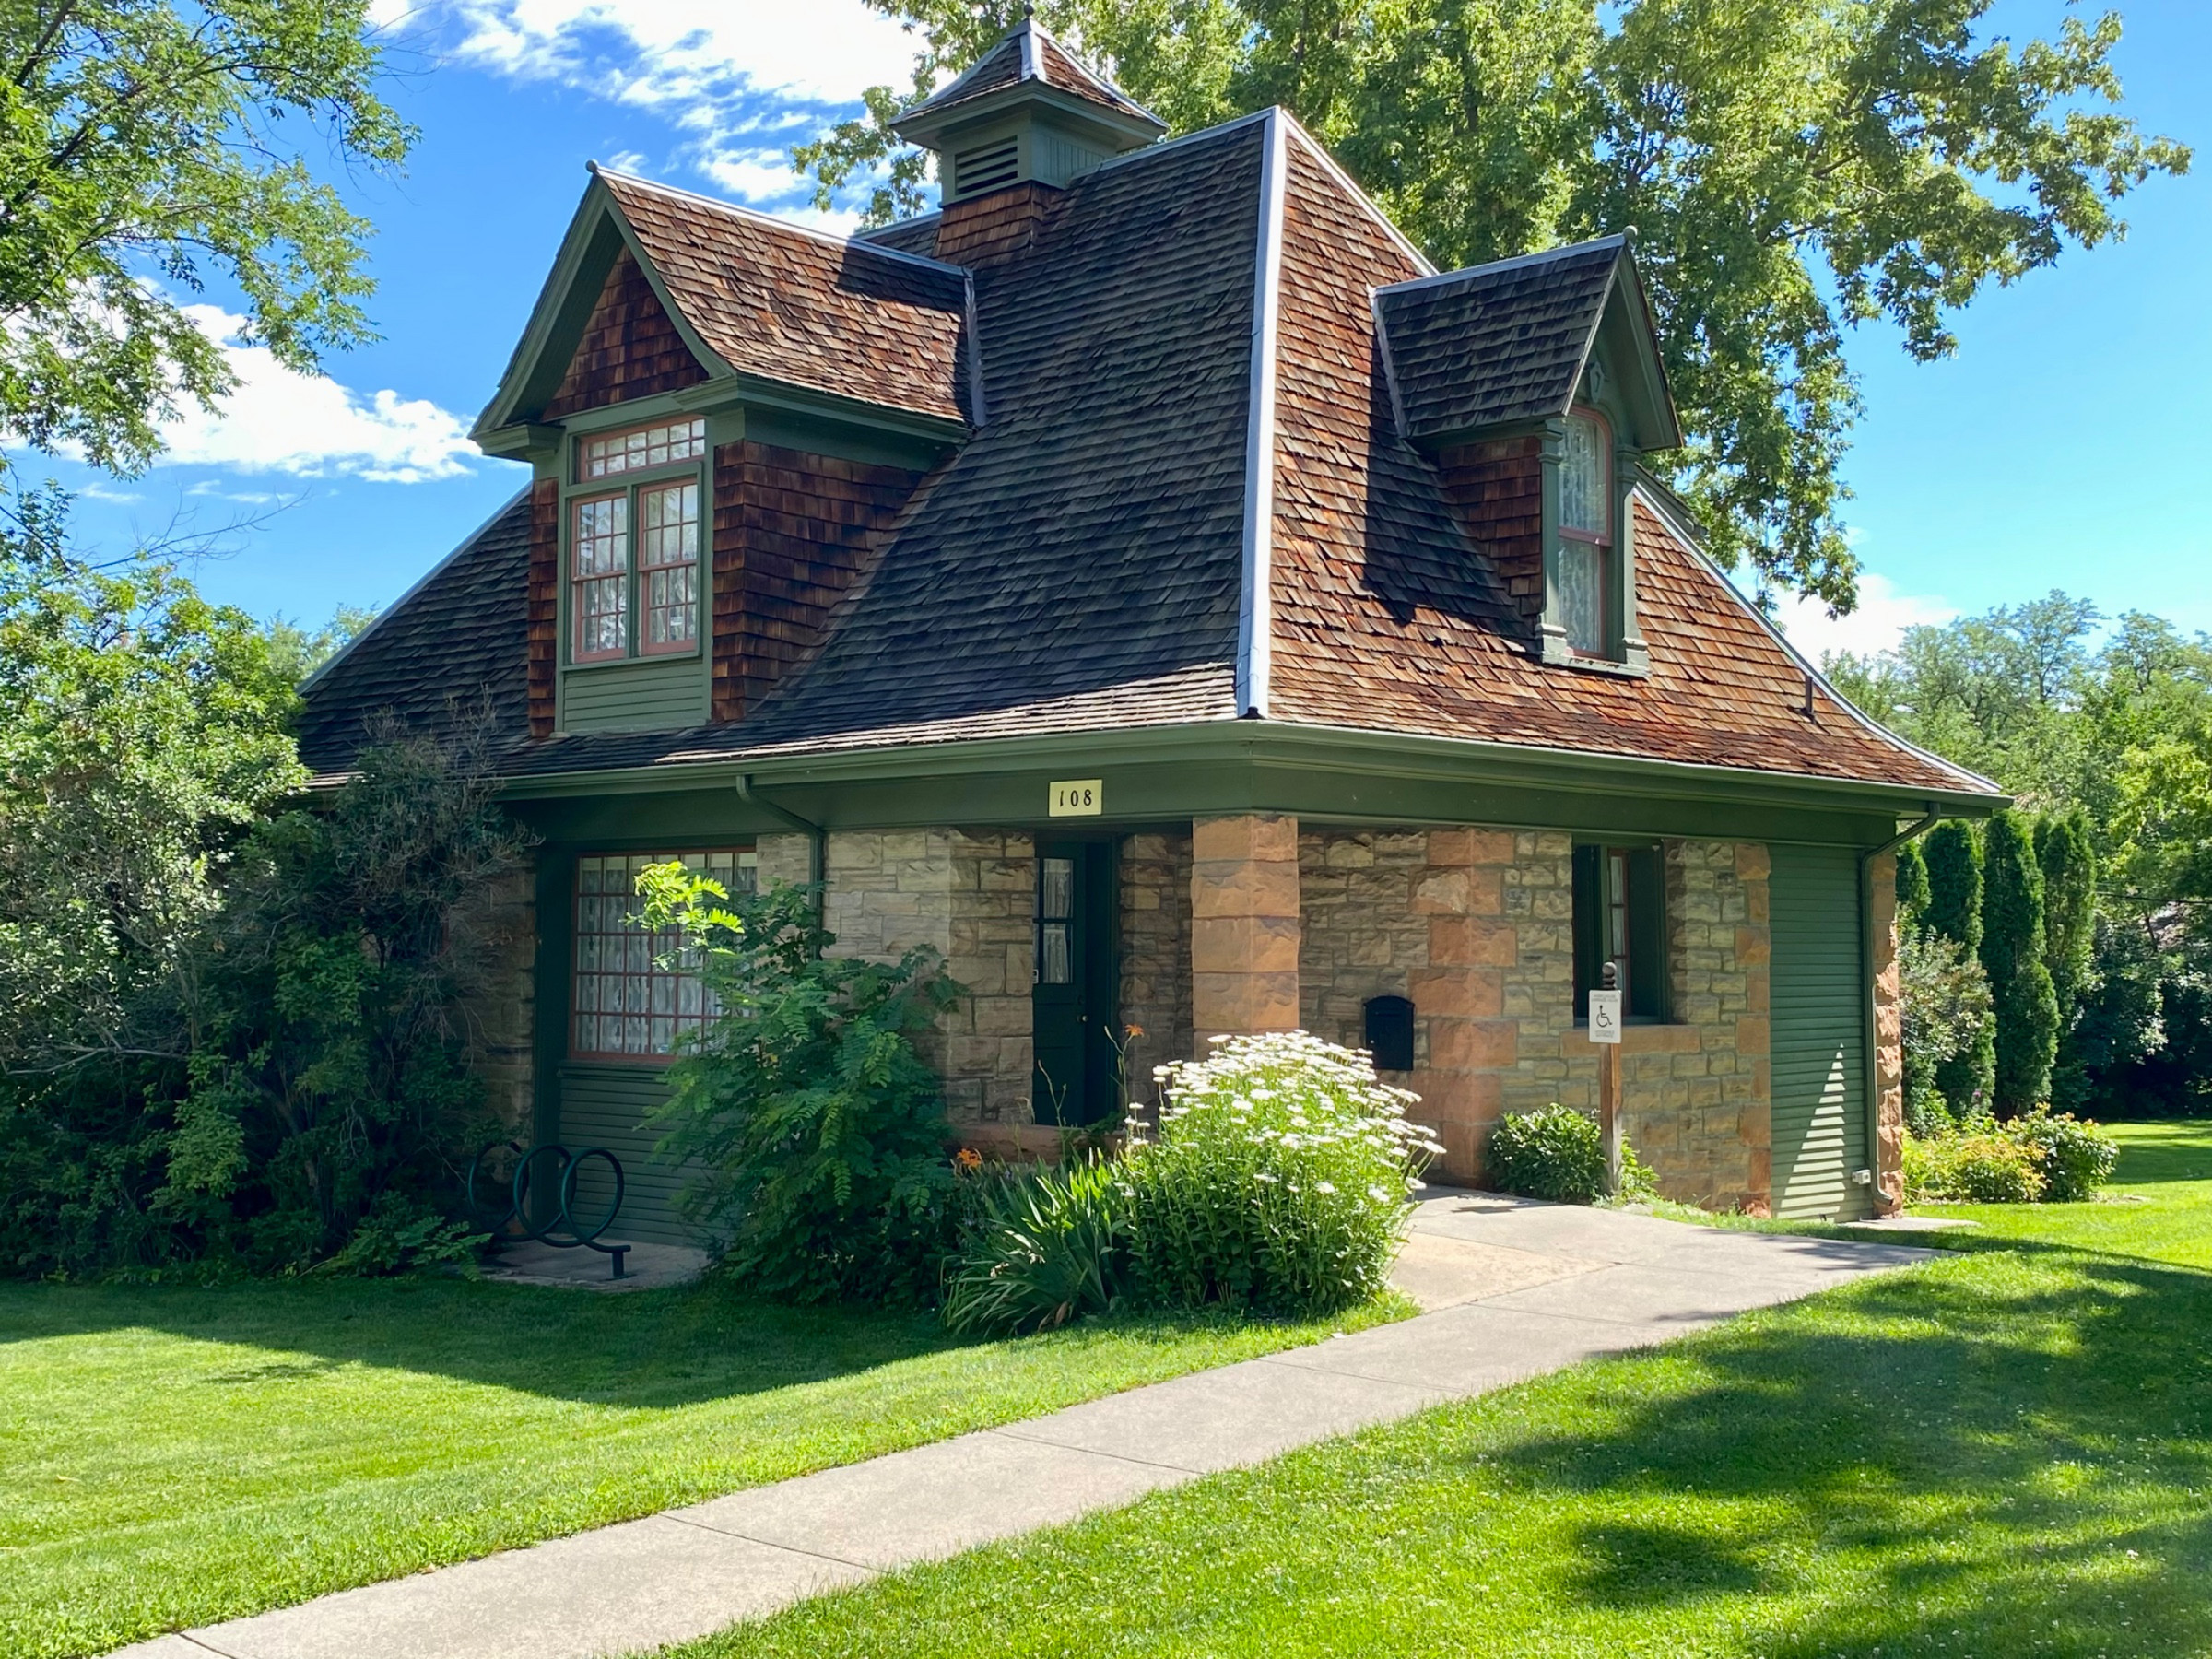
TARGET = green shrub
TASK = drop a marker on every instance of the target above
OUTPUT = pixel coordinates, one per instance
(1980, 1168)
(1043, 1246)
(2074, 1159)
(1557, 1154)
(813, 1132)
(1277, 1179)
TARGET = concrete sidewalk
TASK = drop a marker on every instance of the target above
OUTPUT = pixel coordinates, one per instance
(1513, 1289)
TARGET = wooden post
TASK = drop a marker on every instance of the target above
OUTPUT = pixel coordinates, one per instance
(1605, 1031)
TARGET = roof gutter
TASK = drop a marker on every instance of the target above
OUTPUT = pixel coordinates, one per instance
(1871, 998)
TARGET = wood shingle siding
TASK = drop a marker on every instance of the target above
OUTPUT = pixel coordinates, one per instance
(786, 304)
(542, 606)
(792, 533)
(1498, 487)
(629, 349)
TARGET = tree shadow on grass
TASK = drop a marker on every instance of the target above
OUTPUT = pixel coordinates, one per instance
(1995, 1461)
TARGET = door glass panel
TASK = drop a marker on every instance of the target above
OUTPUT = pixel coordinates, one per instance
(1055, 961)
(1056, 919)
(1056, 892)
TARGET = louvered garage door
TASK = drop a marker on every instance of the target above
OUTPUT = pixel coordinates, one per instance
(1819, 1033)
(606, 1106)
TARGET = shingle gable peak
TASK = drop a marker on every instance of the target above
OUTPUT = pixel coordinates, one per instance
(1618, 240)
(769, 221)
(1028, 52)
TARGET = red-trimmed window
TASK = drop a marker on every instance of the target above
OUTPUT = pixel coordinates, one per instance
(635, 997)
(668, 565)
(1586, 574)
(599, 577)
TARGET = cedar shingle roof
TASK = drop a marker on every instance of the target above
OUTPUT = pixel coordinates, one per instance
(1500, 343)
(1078, 564)
(1027, 52)
(453, 645)
(788, 304)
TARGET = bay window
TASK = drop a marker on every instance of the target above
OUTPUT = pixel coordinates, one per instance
(634, 549)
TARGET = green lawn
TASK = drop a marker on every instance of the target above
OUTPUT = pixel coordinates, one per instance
(2006, 1453)
(171, 1456)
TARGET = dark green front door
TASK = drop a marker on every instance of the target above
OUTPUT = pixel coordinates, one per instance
(1073, 1004)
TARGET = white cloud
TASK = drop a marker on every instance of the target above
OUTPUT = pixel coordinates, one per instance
(1878, 624)
(691, 59)
(310, 426)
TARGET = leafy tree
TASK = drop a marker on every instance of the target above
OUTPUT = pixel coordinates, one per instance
(1953, 855)
(2069, 867)
(2025, 1008)
(141, 139)
(143, 731)
(814, 1132)
(1911, 884)
(1793, 169)
(1944, 1000)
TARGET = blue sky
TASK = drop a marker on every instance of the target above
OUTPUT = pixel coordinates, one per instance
(2055, 450)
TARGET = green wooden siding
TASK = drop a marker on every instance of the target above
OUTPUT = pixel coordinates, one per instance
(606, 1106)
(1820, 1059)
(649, 695)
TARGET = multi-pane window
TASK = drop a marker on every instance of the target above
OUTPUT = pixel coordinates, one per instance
(1055, 920)
(636, 993)
(613, 452)
(634, 577)
(599, 563)
(1585, 535)
(668, 565)
(1620, 921)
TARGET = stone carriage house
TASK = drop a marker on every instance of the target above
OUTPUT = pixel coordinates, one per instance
(1150, 583)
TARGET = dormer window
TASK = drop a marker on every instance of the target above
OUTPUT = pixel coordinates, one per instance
(634, 551)
(1587, 567)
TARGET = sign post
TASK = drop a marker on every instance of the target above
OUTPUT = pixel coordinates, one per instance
(1605, 1031)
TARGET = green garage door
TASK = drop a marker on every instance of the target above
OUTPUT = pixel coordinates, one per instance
(1819, 1033)
(606, 1106)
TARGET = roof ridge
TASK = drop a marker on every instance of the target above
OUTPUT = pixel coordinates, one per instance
(1255, 607)
(1026, 39)
(1351, 187)
(1619, 239)
(771, 221)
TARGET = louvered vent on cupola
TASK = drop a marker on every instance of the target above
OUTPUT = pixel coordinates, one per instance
(986, 165)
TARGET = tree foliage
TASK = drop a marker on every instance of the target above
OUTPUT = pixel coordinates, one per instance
(813, 1132)
(1793, 168)
(146, 146)
(2024, 1008)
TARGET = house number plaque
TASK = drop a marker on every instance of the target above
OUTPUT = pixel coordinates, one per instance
(1079, 797)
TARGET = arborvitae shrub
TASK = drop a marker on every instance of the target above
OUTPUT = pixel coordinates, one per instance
(1952, 855)
(2012, 955)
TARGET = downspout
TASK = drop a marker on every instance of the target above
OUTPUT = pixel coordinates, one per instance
(817, 838)
(1870, 1009)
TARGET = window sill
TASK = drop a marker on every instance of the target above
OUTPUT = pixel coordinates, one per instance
(1646, 1036)
(631, 662)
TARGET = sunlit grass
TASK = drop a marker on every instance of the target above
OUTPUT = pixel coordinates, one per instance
(174, 1456)
(2008, 1452)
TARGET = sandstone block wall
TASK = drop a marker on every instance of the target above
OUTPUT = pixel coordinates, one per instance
(969, 894)
(1244, 926)
(1155, 956)
(1476, 927)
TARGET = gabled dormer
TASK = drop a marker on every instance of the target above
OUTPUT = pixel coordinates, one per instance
(1028, 111)
(720, 410)
(1536, 384)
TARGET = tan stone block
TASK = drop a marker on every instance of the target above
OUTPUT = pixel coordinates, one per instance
(1244, 944)
(1752, 862)
(1239, 1003)
(1754, 948)
(1491, 846)
(1347, 852)
(1244, 837)
(1248, 889)
(1656, 1039)
(1449, 847)
(1753, 1035)
(1472, 941)
(1443, 893)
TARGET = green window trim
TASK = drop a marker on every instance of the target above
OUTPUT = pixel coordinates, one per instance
(624, 499)
(1621, 916)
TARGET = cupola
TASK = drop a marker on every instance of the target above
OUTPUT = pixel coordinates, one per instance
(1028, 111)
